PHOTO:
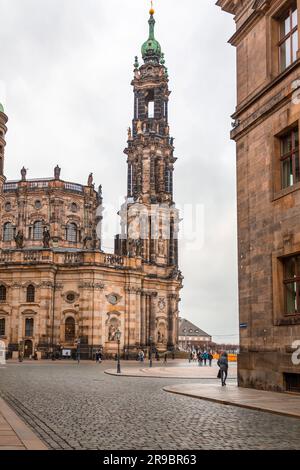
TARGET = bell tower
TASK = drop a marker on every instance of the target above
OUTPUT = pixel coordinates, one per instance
(149, 216)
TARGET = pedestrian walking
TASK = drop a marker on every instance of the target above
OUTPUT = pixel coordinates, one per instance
(223, 364)
(210, 358)
(165, 358)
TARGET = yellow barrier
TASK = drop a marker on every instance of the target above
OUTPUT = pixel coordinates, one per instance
(231, 357)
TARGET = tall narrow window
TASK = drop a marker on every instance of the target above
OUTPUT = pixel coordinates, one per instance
(151, 109)
(130, 179)
(38, 230)
(72, 233)
(30, 294)
(2, 326)
(288, 34)
(290, 163)
(8, 232)
(2, 294)
(70, 330)
(292, 285)
(29, 327)
(169, 181)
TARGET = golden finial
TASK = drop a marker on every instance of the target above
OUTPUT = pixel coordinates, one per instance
(152, 11)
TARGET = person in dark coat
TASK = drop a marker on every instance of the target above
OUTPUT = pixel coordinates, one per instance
(223, 364)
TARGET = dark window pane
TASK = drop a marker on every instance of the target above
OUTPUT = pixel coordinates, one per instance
(30, 293)
(287, 173)
(70, 329)
(2, 293)
(29, 327)
(2, 326)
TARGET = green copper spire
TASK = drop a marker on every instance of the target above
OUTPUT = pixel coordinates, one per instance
(151, 49)
(1, 108)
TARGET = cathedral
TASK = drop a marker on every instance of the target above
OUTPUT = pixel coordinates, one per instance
(58, 288)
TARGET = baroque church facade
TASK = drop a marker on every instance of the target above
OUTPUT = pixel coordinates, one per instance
(58, 288)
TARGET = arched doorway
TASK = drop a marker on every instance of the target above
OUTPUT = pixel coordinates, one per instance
(70, 330)
(28, 348)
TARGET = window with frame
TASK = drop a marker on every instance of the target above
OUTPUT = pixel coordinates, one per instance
(70, 330)
(2, 326)
(29, 327)
(289, 158)
(38, 230)
(2, 294)
(72, 233)
(30, 294)
(288, 37)
(8, 232)
(291, 281)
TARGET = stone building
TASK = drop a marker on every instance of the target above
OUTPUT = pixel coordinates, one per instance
(58, 288)
(266, 131)
(191, 337)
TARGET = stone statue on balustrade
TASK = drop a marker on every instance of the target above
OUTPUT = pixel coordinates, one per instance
(46, 238)
(19, 239)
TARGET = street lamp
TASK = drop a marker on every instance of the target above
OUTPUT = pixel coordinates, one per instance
(78, 350)
(118, 338)
(150, 352)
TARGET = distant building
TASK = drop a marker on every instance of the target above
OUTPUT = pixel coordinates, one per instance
(191, 336)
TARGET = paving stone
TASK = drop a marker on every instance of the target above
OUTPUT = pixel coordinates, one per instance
(81, 407)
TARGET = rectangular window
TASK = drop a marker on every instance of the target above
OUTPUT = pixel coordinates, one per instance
(2, 326)
(289, 157)
(291, 283)
(288, 37)
(151, 109)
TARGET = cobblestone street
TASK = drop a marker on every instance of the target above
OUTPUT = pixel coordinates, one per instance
(81, 407)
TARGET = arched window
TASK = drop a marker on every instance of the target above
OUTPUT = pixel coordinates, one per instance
(72, 233)
(30, 294)
(29, 327)
(38, 230)
(169, 181)
(2, 326)
(2, 293)
(8, 232)
(70, 330)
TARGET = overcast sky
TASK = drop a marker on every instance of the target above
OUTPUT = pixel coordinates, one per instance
(65, 73)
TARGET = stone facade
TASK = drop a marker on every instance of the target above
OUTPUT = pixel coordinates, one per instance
(265, 129)
(56, 284)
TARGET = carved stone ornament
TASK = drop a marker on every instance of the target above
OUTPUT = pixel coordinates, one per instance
(161, 304)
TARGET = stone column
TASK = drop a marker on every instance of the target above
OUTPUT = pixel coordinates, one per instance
(153, 297)
(171, 320)
(143, 319)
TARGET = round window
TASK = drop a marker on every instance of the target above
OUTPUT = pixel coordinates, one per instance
(37, 204)
(71, 297)
(113, 299)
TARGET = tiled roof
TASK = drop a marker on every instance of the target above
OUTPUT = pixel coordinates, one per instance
(191, 329)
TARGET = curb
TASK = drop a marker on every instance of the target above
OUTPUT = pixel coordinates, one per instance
(23, 432)
(230, 403)
(108, 372)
